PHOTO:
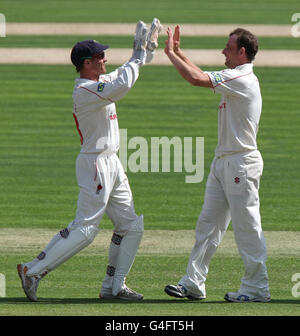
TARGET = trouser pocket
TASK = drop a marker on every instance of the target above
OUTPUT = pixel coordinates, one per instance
(235, 178)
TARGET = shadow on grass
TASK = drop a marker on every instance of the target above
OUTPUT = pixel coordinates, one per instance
(58, 301)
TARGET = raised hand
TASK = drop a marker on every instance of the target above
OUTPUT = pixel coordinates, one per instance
(176, 38)
(169, 48)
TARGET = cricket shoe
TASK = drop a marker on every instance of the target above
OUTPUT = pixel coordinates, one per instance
(241, 298)
(124, 294)
(106, 294)
(181, 292)
(29, 283)
(128, 294)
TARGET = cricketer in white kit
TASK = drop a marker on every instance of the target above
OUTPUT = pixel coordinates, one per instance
(233, 182)
(104, 186)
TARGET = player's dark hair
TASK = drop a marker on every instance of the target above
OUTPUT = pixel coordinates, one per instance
(79, 66)
(247, 40)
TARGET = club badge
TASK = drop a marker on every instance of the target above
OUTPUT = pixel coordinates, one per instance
(100, 87)
(237, 180)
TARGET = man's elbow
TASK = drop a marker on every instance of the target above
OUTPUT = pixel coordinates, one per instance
(201, 79)
(200, 82)
(195, 81)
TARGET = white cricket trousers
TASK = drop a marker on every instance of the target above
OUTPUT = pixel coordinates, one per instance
(231, 194)
(104, 188)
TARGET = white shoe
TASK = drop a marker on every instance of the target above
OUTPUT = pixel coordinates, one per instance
(124, 294)
(129, 294)
(29, 283)
(179, 291)
(239, 297)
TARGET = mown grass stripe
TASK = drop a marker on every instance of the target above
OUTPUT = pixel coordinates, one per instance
(188, 11)
(187, 42)
(105, 29)
(208, 57)
(155, 242)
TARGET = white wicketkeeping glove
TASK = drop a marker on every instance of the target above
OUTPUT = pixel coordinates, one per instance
(139, 43)
(152, 39)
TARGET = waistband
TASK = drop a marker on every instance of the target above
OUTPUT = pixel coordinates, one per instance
(103, 154)
(235, 153)
(99, 153)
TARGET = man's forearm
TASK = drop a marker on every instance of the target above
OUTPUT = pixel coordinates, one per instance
(188, 70)
(179, 53)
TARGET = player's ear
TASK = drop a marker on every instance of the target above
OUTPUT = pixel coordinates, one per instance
(242, 51)
(86, 62)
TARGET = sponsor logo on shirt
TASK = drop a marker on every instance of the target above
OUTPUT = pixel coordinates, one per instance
(113, 117)
(217, 77)
(100, 87)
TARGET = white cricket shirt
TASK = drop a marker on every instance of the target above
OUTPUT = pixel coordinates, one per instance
(239, 108)
(95, 110)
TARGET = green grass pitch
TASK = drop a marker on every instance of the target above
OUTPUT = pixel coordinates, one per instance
(190, 11)
(39, 145)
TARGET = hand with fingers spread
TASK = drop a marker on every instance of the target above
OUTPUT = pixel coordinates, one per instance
(186, 68)
(173, 42)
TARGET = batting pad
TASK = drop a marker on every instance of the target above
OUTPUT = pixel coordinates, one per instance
(114, 250)
(128, 249)
(64, 249)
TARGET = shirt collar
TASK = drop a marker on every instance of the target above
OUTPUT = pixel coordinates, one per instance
(246, 66)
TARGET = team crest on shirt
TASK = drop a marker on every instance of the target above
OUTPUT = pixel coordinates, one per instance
(100, 87)
(112, 116)
(217, 77)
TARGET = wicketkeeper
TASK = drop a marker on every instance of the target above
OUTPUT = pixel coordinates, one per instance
(104, 187)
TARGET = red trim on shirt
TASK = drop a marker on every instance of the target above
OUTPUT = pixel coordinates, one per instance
(82, 87)
(77, 126)
(232, 79)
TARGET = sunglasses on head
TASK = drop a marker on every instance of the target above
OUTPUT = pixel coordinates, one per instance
(97, 56)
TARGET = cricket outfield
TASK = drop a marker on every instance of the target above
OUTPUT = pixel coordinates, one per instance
(39, 145)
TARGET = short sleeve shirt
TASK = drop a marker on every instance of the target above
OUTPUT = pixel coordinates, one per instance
(239, 108)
